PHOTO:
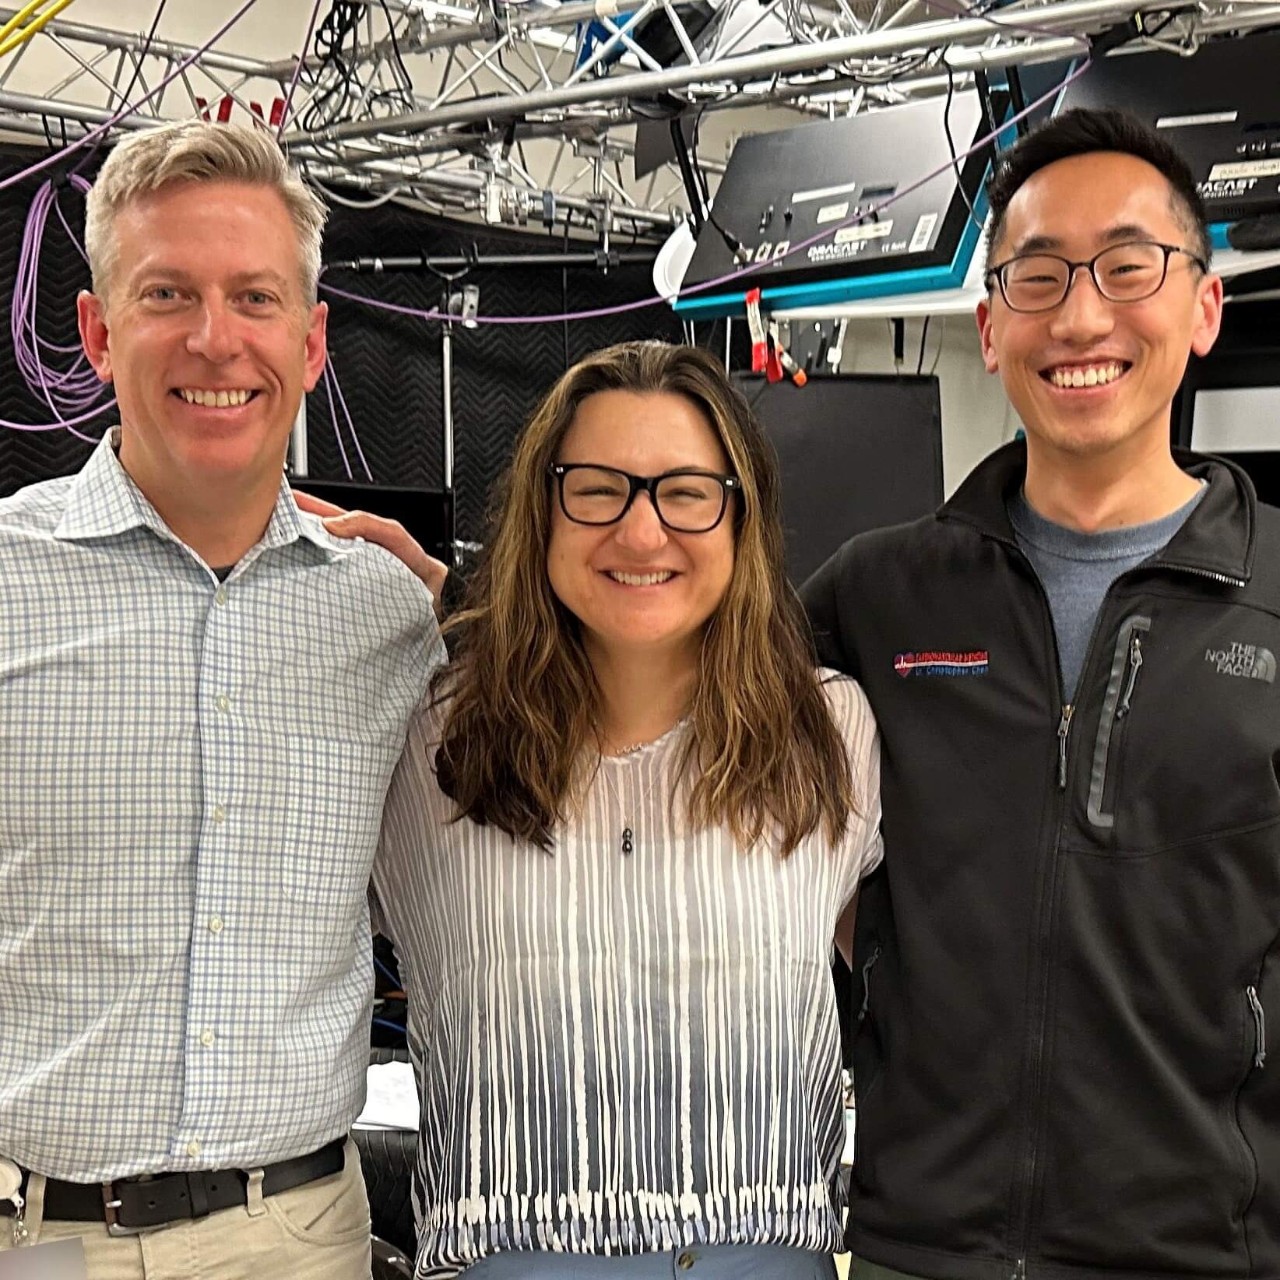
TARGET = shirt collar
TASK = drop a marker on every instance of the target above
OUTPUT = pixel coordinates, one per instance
(104, 502)
(1218, 538)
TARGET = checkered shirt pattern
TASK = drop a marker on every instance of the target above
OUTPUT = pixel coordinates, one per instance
(192, 776)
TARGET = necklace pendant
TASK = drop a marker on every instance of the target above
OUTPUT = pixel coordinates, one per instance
(627, 846)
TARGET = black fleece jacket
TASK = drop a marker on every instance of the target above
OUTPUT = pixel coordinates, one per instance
(1065, 963)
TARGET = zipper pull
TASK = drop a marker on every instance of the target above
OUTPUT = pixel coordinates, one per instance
(1135, 663)
(1020, 1271)
(1259, 1027)
(1064, 728)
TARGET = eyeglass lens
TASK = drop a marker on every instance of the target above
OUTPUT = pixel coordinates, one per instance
(1124, 273)
(596, 495)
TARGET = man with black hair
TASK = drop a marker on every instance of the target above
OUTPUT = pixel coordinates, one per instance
(1064, 965)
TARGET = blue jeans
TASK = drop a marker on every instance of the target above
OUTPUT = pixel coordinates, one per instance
(698, 1262)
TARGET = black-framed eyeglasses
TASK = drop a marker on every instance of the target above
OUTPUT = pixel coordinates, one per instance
(1129, 272)
(686, 500)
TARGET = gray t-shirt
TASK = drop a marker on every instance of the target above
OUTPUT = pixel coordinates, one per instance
(1076, 569)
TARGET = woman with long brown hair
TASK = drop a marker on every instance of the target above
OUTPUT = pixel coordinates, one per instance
(615, 856)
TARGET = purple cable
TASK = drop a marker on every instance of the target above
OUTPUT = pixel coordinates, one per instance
(65, 425)
(333, 416)
(297, 71)
(43, 384)
(66, 226)
(346, 413)
(750, 269)
(68, 392)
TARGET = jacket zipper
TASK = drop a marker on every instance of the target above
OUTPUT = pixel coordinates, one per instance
(1117, 701)
(1035, 1057)
(1259, 1028)
(1225, 578)
(1036, 1060)
(1064, 732)
(1135, 665)
(1257, 1063)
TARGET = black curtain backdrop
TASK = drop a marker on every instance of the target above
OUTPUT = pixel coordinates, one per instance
(389, 366)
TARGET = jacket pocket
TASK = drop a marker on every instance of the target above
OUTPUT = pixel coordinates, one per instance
(864, 1009)
(1255, 1039)
(868, 1068)
(1126, 667)
(868, 1048)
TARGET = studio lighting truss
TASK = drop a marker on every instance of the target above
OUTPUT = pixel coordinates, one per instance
(526, 111)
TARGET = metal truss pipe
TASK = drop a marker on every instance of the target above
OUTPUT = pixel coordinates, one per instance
(107, 38)
(475, 183)
(494, 261)
(26, 104)
(806, 57)
(525, 20)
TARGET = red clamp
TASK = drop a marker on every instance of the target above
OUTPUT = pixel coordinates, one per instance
(780, 361)
(759, 339)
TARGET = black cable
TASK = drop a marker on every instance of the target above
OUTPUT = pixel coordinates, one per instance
(332, 103)
(87, 159)
(402, 94)
(924, 333)
(731, 241)
(564, 291)
(951, 143)
(710, 343)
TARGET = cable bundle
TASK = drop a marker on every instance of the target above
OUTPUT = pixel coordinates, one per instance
(340, 93)
(73, 394)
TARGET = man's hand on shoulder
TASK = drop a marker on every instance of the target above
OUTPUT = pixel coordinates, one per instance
(390, 534)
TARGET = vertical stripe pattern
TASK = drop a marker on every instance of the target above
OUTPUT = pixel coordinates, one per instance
(621, 1054)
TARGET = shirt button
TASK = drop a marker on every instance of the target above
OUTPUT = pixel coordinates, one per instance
(220, 596)
(222, 702)
(194, 1148)
(207, 1038)
(685, 1261)
(216, 924)
(219, 814)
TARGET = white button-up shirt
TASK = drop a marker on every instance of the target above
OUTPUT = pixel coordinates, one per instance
(191, 785)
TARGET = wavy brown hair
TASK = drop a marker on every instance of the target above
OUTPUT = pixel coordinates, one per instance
(522, 703)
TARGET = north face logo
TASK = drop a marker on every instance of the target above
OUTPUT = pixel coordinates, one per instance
(1248, 661)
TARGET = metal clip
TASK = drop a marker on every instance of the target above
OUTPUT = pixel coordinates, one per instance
(11, 1190)
(19, 1231)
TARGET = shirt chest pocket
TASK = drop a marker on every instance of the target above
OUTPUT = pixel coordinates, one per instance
(1185, 743)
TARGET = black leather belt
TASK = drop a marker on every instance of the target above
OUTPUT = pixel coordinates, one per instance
(131, 1205)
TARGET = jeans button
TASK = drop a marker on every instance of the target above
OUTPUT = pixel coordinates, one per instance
(685, 1261)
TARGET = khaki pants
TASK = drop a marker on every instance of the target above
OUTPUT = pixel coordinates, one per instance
(319, 1231)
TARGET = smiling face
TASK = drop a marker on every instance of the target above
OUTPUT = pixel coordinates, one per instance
(637, 585)
(207, 336)
(1091, 377)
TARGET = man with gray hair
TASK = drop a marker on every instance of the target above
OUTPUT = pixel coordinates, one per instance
(202, 697)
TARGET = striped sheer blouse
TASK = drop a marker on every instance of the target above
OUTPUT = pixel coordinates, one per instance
(621, 1052)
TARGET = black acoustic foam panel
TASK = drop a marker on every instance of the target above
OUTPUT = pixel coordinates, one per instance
(389, 366)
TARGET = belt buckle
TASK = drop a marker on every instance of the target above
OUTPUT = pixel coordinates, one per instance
(110, 1210)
